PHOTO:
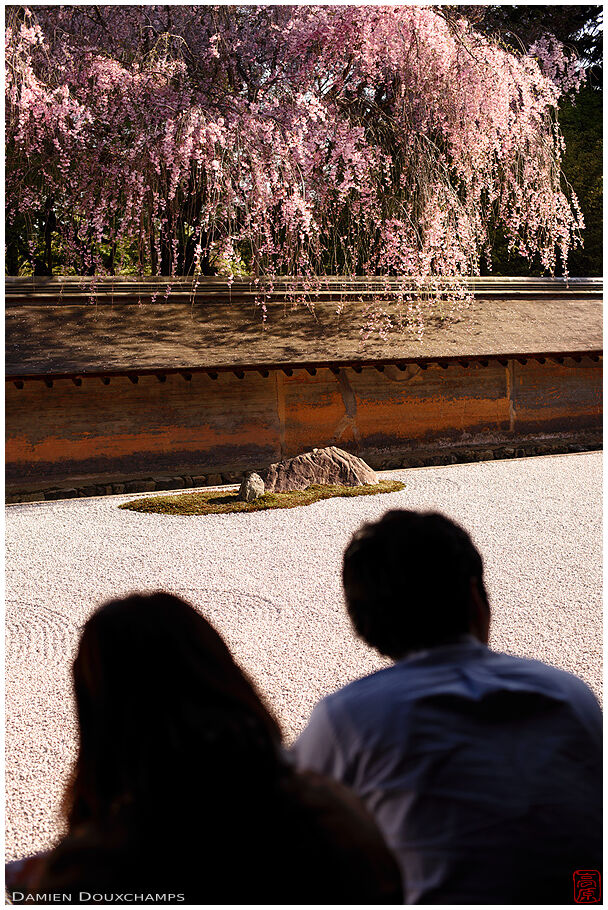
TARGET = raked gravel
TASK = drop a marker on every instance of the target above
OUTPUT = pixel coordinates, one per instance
(270, 582)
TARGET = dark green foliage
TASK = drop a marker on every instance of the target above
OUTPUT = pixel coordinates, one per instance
(581, 122)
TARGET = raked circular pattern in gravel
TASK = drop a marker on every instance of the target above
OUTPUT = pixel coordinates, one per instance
(270, 582)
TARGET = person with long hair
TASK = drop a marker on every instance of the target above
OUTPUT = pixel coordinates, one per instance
(181, 790)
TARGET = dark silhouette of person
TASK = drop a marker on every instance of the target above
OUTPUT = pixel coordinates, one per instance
(482, 769)
(181, 789)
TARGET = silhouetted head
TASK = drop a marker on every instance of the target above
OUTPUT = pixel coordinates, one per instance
(414, 580)
(164, 712)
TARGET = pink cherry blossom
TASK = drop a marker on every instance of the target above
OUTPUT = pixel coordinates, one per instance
(302, 140)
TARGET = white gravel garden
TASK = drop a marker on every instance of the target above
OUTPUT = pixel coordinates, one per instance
(270, 582)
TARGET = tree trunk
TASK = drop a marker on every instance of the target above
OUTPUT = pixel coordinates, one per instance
(44, 266)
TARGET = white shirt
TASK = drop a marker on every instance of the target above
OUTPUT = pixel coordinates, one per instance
(483, 771)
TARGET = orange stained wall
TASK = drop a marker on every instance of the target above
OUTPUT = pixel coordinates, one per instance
(125, 429)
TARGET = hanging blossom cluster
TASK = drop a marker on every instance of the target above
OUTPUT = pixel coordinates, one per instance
(285, 140)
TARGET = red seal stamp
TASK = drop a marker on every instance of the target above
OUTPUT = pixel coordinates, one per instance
(587, 886)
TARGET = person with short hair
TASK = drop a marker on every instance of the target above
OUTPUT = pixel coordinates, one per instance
(483, 770)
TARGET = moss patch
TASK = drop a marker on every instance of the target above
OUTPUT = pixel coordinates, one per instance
(212, 502)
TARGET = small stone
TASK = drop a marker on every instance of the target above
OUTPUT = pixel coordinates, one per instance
(214, 480)
(392, 464)
(140, 486)
(251, 488)
(69, 493)
(169, 483)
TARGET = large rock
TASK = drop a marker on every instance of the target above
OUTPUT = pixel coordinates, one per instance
(251, 488)
(326, 466)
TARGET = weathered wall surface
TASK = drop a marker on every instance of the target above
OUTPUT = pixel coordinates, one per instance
(73, 434)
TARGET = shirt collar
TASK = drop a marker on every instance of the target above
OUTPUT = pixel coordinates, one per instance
(462, 642)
